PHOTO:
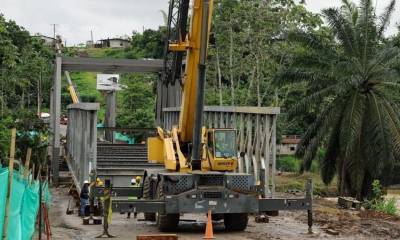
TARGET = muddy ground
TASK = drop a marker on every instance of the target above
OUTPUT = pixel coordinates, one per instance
(330, 223)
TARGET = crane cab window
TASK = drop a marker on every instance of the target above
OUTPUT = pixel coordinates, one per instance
(210, 139)
(225, 143)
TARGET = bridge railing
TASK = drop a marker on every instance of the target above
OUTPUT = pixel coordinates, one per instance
(82, 140)
(256, 137)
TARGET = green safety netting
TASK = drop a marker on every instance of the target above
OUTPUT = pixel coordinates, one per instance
(3, 195)
(29, 210)
(14, 219)
(46, 196)
(24, 204)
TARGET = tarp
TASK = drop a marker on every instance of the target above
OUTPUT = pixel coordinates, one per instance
(120, 137)
(24, 205)
(14, 219)
(46, 193)
(29, 210)
(3, 195)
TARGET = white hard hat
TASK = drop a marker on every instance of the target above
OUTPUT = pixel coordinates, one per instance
(86, 181)
(133, 180)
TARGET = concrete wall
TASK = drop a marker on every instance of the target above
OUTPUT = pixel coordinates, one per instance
(286, 149)
(118, 44)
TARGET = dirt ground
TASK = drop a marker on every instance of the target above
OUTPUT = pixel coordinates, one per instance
(330, 223)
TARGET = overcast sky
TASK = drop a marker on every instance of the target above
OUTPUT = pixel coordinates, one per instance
(75, 18)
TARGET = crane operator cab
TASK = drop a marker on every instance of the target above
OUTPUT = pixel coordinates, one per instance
(221, 150)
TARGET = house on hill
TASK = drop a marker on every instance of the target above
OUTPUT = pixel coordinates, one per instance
(48, 41)
(288, 144)
(113, 43)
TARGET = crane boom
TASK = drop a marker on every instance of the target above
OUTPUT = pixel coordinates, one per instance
(193, 46)
(71, 89)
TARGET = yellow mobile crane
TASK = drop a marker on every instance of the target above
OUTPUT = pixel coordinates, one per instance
(189, 146)
(199, 163)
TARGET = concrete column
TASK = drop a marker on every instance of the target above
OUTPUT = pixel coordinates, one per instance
(111, 113)
(55, 119)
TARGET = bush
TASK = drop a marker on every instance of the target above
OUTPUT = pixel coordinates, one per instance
(288, 163)
(378, 202)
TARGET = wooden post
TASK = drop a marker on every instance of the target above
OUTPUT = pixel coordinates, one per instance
(40, 205)
(27, 161)
(10, 178)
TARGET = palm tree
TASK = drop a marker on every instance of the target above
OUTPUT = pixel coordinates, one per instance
(352, 82)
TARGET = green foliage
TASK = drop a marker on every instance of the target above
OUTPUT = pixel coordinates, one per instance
(288, 163)
(149, 44)
(350, 77)
(32, 133)
(137, 102)
(379, 203)
(25, 79)
(248, 43)
(5, 137)
(376, 190)
(25, 68)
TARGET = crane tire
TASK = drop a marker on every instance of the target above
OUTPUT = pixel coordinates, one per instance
(165, 222)
(147, 194)
(236, 221)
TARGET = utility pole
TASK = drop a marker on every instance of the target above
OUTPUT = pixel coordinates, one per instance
(54, 29)
(91, 36)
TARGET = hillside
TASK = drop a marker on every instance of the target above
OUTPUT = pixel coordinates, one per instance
(135, 105)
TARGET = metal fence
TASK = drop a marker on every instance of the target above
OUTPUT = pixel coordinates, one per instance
(82, 140)
(256, 137)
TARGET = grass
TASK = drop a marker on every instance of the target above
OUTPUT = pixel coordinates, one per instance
(107, 52)
(296, 181)
(379, 203)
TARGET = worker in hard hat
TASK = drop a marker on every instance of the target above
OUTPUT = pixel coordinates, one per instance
(84, 197)
(135, 183)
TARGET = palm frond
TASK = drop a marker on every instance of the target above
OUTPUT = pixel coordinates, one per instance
(328, 164)
(297, 75)
(376, 142)
(343, 29)
(351, 11)
(385, 18)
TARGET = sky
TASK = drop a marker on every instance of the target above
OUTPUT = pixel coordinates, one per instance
(75, 19)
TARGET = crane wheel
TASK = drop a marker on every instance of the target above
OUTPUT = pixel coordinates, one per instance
(165, 222)
(147, 194)
(236, 221)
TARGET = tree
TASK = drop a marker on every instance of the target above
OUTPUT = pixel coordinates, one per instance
(137, 101)
(249, 41)
(351, 79)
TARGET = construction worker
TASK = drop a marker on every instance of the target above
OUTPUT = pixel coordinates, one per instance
(135, 183)
(84, 197)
